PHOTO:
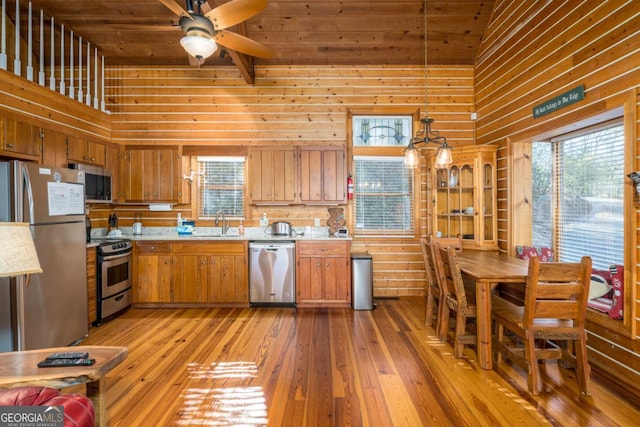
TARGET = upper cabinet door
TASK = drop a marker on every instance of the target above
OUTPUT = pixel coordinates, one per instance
(272, 175)
(21, 138)
(323, 175)
(151, 175)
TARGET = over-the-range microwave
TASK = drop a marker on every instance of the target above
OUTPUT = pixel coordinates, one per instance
(97, 183)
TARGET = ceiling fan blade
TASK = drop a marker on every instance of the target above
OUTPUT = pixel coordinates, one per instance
(175, 8)
(242, 44)
(233, 12)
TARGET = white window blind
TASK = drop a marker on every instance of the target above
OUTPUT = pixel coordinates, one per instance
(221, 186)
(578, 195)
(383, 193)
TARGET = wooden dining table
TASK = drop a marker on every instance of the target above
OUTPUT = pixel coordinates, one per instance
(488, 269)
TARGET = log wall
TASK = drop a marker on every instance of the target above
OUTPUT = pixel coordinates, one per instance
(533, 51)
(213, 107)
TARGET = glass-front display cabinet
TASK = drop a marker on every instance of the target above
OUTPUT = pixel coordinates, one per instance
(463, 197)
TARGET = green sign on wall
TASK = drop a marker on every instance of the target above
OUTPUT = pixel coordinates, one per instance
(572, 96)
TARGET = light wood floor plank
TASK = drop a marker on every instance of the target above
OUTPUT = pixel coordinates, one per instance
(325, 367)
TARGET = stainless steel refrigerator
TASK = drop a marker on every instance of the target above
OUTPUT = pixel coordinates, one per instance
(52, 310)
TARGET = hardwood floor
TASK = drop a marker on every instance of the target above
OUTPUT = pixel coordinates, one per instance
(325, 367)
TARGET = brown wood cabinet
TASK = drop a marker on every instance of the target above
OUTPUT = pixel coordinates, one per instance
(20, 139)
(293, 175)
(323, 175)
(152, 278)
(151, 175)
(92, 297)
(273, 175)
(191, 273)
(54, 148)
(82, 150)
(463, 197)
(323, 274)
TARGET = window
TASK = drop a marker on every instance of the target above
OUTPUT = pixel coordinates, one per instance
(383, 193)
(221, 186)
(383, 188)
(381, 131)
(578, 195)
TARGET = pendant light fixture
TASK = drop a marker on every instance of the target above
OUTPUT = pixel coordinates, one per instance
(426, 135)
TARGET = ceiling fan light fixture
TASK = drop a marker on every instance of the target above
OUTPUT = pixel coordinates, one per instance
(198, 46)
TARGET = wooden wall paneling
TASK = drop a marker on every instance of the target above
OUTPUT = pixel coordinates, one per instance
(566, 45)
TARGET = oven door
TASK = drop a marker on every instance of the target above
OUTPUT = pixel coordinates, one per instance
(115, 274)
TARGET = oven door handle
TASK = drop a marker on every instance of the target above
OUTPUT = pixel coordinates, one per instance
(112, 257)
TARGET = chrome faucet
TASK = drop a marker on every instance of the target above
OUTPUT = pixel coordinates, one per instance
(225, 223)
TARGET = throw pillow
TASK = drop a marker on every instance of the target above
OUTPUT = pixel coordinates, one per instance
(526, 252)
(598, 286)
(617, 280)
(546, 254)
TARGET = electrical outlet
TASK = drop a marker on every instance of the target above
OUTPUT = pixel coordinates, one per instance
(317, 222)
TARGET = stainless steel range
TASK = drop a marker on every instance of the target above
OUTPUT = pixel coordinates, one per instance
(113, 278)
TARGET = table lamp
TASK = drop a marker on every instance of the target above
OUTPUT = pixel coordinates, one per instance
(18, 257)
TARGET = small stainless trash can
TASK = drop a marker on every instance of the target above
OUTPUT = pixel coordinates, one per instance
(362, 281)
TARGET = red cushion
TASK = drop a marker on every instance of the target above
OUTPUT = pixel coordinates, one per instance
(617, 281)
(526, 252)
(601, 304)
(546, 254)
(78, 409)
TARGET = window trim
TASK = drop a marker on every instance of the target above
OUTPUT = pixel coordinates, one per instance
(419, 223)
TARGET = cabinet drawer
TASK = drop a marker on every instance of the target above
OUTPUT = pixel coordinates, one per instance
(224, 247)
(152, 247)
(322, 248)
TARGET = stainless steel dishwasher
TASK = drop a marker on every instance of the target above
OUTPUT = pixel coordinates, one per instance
(272, 273)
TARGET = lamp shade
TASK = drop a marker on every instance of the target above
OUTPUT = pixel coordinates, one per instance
(198, 46)
(411, 156)
(443, 157)
(18, 255)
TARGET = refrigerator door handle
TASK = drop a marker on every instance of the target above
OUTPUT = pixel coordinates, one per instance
(26, 181)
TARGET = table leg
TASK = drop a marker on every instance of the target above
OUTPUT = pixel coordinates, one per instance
(483, 317)
(95, 392)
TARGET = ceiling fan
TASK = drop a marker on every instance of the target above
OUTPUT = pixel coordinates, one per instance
(204, 27)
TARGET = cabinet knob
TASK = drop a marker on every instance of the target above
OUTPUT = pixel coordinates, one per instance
(203, 262)
(153, 248)
(213, 261)
(166, 261)
(10, 145)
(93, 159)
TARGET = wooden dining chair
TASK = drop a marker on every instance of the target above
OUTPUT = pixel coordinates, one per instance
(554, 310)
(455, 298)
(434, 294)
(454, 242)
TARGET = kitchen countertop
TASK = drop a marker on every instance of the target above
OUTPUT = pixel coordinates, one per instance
(213, 233)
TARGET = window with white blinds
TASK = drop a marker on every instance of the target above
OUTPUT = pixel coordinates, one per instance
(221, 186)
(383, 194)
(578, 195)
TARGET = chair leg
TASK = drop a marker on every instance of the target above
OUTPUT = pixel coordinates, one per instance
(439, 317)
(428, 320)
(532, 365)
(583, 369)
(499, 340)
(458, 347)
(444, 322)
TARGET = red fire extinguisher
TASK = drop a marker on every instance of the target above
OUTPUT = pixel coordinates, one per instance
(350, 187)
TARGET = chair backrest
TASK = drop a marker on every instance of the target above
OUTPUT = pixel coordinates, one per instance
(454, 242)
(557, 290)
(429, 267)
(451, 275)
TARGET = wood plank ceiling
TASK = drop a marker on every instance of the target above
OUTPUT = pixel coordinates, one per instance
(333, 32)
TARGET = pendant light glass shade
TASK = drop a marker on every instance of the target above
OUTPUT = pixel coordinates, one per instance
(411, 156)
(443, 157)
(198, 46)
